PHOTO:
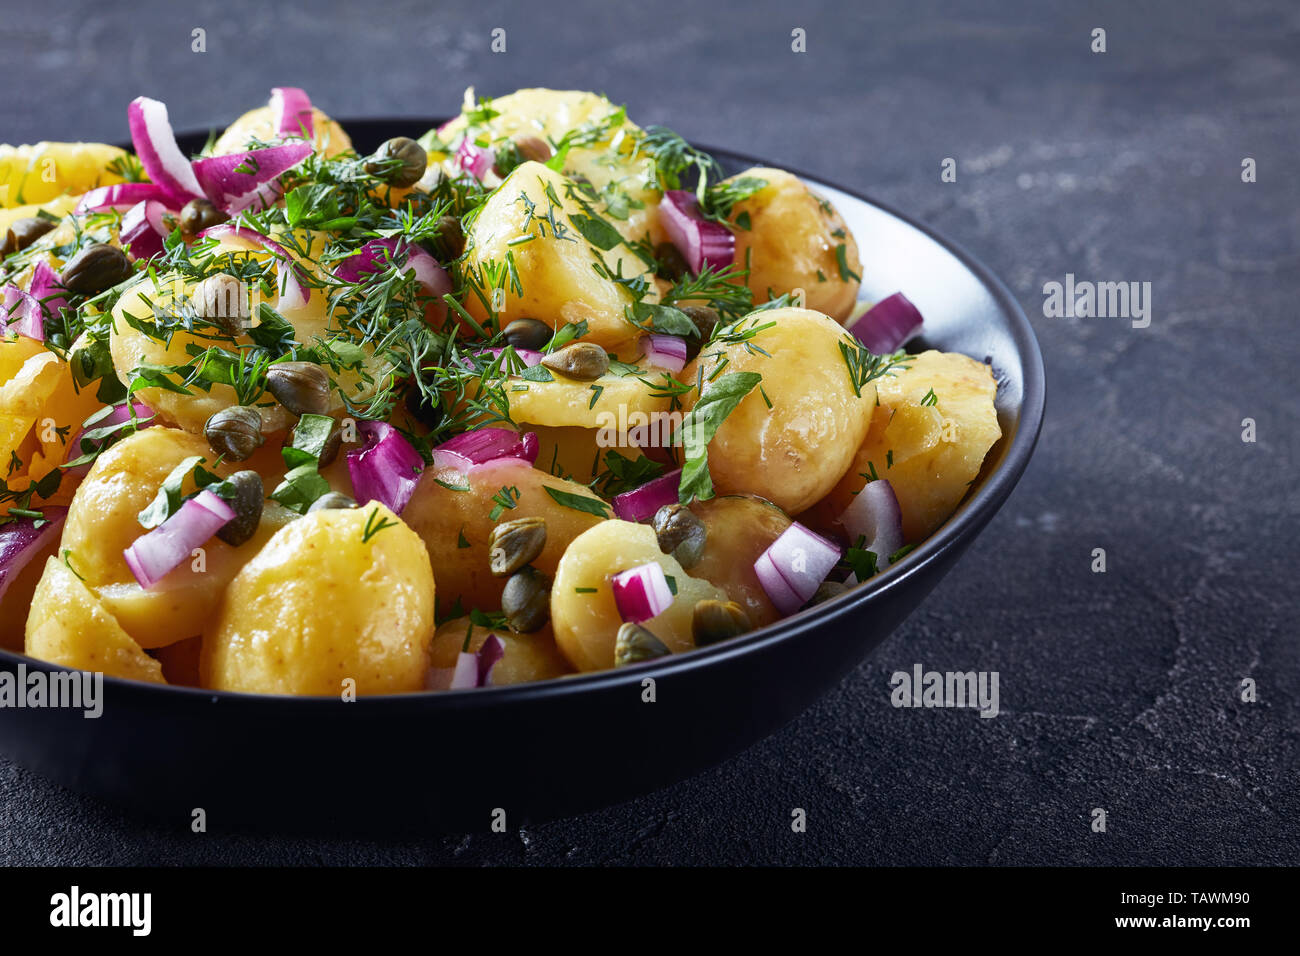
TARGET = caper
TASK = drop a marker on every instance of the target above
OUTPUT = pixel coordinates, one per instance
(413, 162)
(94, 269)
(331, 500)
(672, 264)
(705, 321)
(448, 241)
(528, 334)
(714, 621)
(424, 409)
(526, 600)
(247, 501)
(199, 214)
(23, 232)
(532, 148)
(827, 590)
(301, 387)
(235, 432)
(680, 533)
(330, 450)
(222, 300)
(513, 544)
(581, 360)
(635, 644)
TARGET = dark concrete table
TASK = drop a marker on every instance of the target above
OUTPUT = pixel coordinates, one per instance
(1119, 690)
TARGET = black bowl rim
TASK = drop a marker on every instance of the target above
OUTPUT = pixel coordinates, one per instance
(976, 511)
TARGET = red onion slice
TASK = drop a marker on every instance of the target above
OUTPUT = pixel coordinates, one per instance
(155, 145)
(484, 445)
(144, 229)
(293, 294)
(386, 469)
(235, 182)
(701, 242)
(874, 515)
(374, 256)
(473, 669)
(666, 351)
(888, 324)
(473, 159)
(291, 108)
(801, 559)
(121, 196)
(640, 504)
(153, 555)
(103, 427)
(21, 540)
(641, 592)
(25, 310)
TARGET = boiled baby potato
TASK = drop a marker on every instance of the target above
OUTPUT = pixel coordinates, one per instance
(38, 173)
(556, 281)
(792, 243)
(929, 449)
(794, 452)
(68, 626)
(583, 613)
(528, 657)
(335, 595)
(740, 528)
(456, 525)
(258, 124)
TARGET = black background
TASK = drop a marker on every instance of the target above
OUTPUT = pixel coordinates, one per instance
(1118, 690)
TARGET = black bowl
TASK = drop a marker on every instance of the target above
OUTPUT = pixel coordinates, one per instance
(449, 760)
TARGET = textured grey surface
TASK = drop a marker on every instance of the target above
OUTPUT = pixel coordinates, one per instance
(1119, 690)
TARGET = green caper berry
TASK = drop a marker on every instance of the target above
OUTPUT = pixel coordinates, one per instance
(247, 501)
(635, 644)
(514, 544)
(680, 533)
(414, 161)
(449, 240)
(235, 432)
(584, 361)
(672, 264)
(714, 621)
(526, 600)
(705, 320)
(426, 410)
(94, 269)
(199, 214)
(331, 500)
(23, 232)
(222, 300)
(528, 334)
(301, 387)
(827, 590)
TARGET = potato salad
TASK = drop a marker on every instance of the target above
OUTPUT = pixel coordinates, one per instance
(535, 393)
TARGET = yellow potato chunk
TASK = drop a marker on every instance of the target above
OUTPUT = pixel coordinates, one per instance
(328, 136)
(38, 173)
(322, 604)
(553, 278)
(792, 243)
(528, 657)
(455, 525)
(930, 449)
(67, 625)
(740, 528)
(583, 613)
(794, 452)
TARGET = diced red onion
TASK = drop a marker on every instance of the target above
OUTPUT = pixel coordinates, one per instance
(119, 415)
(21, 540)
(153, 555)
(641, 592)
(888, 324)
(640, 504)
(374, 256)
(874, 515)
(473, 159)
(291, 108)
(472, 669)
(700, 241)
(666, 352)
(155, 145)
(793, 566)
(143, 229)
(292, 292)
(483, 445)
(386, 469)
(228, 183)
(121, 196)
(25, 310)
